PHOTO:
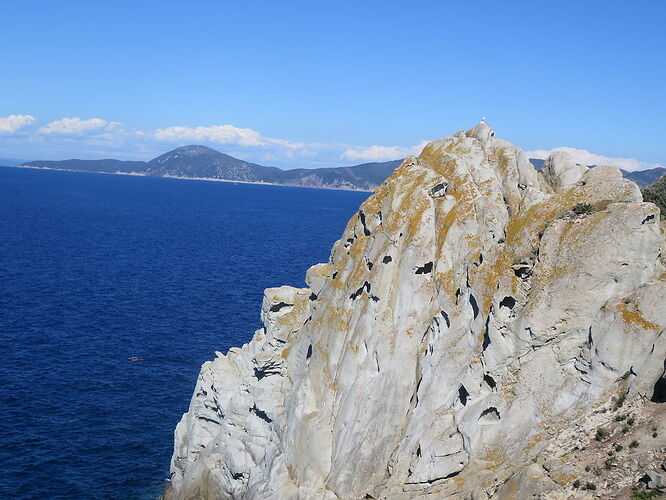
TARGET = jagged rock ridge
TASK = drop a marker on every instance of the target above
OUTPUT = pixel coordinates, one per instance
(473, 311)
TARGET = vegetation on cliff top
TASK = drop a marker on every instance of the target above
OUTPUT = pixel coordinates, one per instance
(656, 193)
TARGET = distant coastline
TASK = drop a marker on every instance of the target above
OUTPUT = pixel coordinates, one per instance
(183, 178)
(204, 163)
(196, 162)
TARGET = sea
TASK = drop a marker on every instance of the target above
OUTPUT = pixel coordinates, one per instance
(95, 269)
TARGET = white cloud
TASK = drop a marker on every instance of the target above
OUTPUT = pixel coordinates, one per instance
(381, 153)
(586, 158)
(243, 137)
(75, 126)
(220, 134)
(12, 123)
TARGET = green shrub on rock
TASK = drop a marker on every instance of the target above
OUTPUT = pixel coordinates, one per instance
(582, 208)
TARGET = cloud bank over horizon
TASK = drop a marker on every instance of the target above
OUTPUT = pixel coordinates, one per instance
(96, 137)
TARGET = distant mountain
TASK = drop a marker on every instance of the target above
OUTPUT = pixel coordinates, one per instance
(203, 162)
(645, 177)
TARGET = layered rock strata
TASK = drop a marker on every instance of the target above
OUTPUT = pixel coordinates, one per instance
(473, 311)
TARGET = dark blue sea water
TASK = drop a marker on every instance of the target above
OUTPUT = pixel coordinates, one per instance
(97, 268)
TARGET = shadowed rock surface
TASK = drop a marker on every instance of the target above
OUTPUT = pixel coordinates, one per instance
(473, 318)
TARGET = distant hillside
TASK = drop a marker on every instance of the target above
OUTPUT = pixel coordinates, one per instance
(203, 162)
(645, 177)
(656, 193)
(365, 176)
(641, 177)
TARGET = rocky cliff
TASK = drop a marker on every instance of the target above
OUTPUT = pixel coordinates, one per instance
(475, 324)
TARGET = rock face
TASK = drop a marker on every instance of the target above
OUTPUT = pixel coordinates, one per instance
(465, 319)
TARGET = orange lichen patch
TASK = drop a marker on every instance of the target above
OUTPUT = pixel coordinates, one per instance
(447, 281)
(285, 353)
(491, 275)
(562, 478)
(463, 211)
(634, 317)
(442, 160)
(459, 482)
(374, 202)
(290, 319)
(456, 148)
(502, 161)
(322, 353)
(601, 205)
(578, 234)
(512, 493)
(334, 317)
(359, 272)
(534, 441)
(493, 454)
(285, 320)
(336, 283)
(663, 276)
(432, 154)
(321, 270)
(474, 242)
(409, 179)
(415, 219)
(456, 214)
(525, 226)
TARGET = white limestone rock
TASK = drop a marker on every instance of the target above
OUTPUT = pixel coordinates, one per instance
(561, 171)
(464, 318)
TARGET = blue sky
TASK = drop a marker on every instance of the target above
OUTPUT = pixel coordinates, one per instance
(330, 83)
